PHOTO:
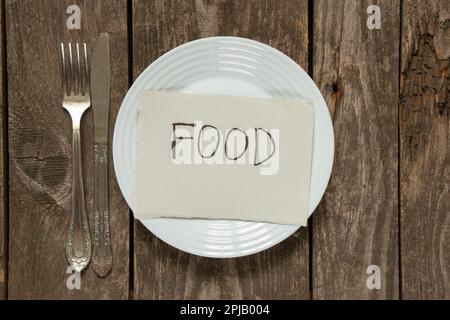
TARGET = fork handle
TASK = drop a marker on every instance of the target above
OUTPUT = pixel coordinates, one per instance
(78, 247)
(102, 259)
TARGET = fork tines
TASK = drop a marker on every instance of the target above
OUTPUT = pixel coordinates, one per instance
(74, 75)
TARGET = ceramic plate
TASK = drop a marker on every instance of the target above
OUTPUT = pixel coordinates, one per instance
(224, 66)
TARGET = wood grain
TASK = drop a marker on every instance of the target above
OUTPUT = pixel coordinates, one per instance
(424, 150)
(356, 223)
(40, 149)
(387, 132)
(162, 272)
(3, 213)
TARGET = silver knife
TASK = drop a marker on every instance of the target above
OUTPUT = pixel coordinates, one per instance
(102, 258)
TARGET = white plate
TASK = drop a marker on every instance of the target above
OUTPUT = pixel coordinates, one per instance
(226, 66)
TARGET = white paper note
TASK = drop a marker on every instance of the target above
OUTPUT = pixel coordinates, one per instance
(217, 157)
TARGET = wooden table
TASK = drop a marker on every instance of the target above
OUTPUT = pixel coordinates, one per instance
(387, 203)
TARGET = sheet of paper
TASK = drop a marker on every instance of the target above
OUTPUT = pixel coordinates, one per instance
(218, 157)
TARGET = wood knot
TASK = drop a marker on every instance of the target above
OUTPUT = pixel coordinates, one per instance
(441, 106)
(41, 156)
(445, 24)
(335, 87)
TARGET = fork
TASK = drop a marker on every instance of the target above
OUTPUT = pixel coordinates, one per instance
(76, 100)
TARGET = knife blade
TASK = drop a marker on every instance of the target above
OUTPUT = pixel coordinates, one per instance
(100, 88)
(100, 98)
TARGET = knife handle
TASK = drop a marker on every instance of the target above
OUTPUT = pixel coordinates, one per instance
(102, 253)
(78, 246)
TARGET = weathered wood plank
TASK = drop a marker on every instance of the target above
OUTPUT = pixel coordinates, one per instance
(356, 223)
(40, 148)
(162, 272)
(3, 227)
(424, 150)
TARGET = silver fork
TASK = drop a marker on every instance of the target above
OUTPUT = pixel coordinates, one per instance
(76, 100)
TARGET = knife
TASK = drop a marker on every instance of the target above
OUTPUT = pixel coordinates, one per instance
(102, 258)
